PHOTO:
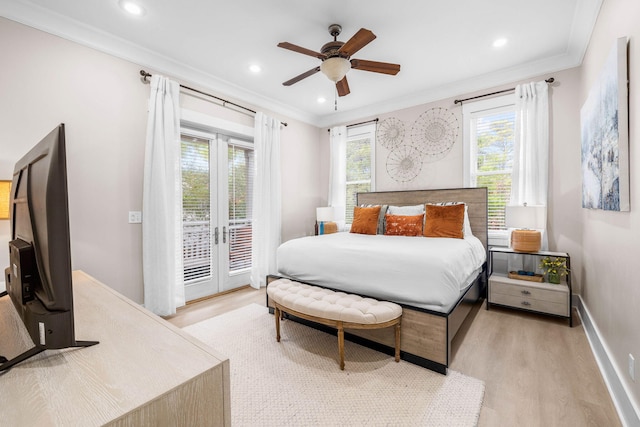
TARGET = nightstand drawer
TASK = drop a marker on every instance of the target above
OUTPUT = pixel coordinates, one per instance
(539, 293)
(560, 309)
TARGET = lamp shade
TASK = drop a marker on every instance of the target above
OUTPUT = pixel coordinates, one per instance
(527, 220)
(325, 214)
(526, 216)
(335, 68)
(5, 199)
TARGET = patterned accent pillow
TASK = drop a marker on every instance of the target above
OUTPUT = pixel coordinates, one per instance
(365, 220)
(444, 221)
(383, 212)
(403, 225)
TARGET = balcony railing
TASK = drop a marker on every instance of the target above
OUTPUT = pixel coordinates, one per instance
(196, 248)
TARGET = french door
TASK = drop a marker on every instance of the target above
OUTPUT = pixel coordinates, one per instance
(217, 187)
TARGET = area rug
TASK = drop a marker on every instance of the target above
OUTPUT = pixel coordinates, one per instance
(298, 381)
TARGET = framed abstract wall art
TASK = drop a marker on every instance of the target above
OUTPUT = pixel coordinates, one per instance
(604, 123)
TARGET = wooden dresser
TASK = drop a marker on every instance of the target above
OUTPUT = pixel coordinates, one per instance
(144, 371)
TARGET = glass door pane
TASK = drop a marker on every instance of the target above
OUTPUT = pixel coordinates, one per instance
(240, 180)
(199, 217)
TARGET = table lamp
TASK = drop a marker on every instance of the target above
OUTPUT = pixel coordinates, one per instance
(5, 199)
(323, 215)
(527, 220)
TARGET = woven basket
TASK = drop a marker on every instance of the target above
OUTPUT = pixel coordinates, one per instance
(525, 240)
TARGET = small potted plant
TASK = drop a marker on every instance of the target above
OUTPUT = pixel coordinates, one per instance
(555, 268)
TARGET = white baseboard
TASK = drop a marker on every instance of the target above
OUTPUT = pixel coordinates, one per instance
(627, 410)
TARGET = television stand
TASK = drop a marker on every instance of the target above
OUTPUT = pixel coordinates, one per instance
(7, 364)
(37, 350)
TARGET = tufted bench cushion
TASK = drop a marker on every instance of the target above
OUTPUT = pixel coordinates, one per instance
(332, 305)
(333, 308)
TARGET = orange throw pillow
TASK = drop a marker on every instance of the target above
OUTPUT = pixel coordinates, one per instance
(403, 225)
(365, 220)
(444, 221)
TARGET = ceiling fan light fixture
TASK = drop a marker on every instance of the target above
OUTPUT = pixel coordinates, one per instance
(335, 68)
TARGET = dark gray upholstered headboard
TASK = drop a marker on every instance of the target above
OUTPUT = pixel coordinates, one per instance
(475, 198)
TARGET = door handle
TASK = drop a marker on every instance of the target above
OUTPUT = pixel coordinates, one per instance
(224, 234)
(215, 236)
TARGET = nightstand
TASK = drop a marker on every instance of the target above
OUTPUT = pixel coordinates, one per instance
(538, 297)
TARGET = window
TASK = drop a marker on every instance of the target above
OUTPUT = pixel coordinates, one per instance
(360, 165)
(489, 147)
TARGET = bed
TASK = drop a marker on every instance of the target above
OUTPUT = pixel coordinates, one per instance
(430, 319)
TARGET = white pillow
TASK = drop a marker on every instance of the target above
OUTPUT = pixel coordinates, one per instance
(466, 227)
(406, 210)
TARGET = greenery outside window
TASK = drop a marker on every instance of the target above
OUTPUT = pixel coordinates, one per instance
(489, 148)
(360, 165)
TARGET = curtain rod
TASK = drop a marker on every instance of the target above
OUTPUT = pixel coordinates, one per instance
(361, 123)
(144, 75)
(460, 101)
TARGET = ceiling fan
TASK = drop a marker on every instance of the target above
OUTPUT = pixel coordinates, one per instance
(336, 60)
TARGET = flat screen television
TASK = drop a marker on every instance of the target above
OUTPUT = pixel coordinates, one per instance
(38, 278)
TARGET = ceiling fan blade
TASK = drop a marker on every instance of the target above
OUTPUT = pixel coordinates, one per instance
(304, 75)
(375, 66)
(343, 87)
(359, 40)
(302, 50)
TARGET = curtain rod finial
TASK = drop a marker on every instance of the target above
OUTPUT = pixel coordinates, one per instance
(144, 75)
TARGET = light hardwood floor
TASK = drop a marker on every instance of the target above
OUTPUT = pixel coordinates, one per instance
(537, 370)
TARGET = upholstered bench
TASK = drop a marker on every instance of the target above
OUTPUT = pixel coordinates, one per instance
(335, 309)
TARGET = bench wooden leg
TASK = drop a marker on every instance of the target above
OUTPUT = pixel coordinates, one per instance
(341, 344)
(277, 316)
(398, 342)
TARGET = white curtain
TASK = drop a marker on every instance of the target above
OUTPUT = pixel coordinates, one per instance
(266, 199)
(161, 201)
(338, 173)
(530, 177)
(531, 152)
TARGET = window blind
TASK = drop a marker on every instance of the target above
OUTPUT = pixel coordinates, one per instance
(241, 178)
(493, 142)
(196, 208)
(359, 163)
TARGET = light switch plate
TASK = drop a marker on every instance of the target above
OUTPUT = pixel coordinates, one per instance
(135, 217)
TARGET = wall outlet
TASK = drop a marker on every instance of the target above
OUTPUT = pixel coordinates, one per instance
(632, 367)
(135, 217)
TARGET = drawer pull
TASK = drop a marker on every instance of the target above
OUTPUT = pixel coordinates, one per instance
(525, 303)
(526, 293)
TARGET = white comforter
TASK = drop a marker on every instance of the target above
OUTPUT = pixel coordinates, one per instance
(419, 271)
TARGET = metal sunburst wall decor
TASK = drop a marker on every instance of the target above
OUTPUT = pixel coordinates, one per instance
(404, 163)
(434, 133)
(390, 133)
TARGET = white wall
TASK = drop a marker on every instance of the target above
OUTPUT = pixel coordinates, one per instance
(611, 240)
(46, 80)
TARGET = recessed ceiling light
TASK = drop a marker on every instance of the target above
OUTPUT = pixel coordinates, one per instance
(132, 7)
(500, 42)
(321, 100)
(254, 68)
